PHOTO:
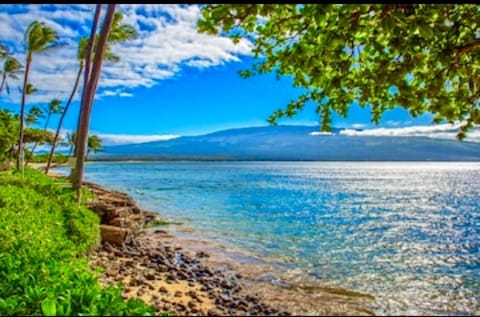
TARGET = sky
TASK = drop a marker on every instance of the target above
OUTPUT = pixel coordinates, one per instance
(171, 81)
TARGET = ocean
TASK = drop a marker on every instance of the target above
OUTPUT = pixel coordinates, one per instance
(407, 233)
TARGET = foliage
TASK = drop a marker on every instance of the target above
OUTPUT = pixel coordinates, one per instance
(422, 57)
(8, 133)
(53, 107)
(33, 115)
(30, 89)
(58, 158)
(9, 127)
(42, 238)
(38, 38)
(94, 143)
(37, 135)
(11, 69)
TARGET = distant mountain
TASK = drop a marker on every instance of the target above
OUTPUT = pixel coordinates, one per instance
(295, 143)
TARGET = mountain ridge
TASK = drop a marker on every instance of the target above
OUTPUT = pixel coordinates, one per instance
(295, 143)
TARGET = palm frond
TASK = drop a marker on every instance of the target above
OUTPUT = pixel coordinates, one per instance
(39, 37)
(4, 51)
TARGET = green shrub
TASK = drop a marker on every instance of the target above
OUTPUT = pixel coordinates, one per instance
(42, 238)
(43, 158)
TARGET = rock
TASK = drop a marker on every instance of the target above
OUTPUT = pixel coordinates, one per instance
(201, 254)
(150, 276)
(112, 273)
(114, 235)
(149, 285)
(181, 306)
(182, 275)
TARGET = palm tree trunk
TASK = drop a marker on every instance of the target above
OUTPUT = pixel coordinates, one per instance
(4, 79)
(20, 157)
(57, 133)
(88, 64)
(89, 94)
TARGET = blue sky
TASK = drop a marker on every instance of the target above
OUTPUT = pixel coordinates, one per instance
(171, 81)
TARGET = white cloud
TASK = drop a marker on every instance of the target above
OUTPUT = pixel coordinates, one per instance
(168, 42)
(393, 123)
(315, 133)
(445, 131)
(359, 126)
(117, 139)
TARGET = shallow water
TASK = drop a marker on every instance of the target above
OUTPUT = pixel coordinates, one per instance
(407, 233)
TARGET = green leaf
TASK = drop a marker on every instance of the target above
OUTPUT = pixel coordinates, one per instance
(49, 307)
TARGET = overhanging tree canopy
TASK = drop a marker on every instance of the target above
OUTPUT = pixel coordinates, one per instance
(422, 57)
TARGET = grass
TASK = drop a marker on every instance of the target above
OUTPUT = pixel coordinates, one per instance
(44, 239)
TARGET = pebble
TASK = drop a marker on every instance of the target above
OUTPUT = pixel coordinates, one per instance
(178, 294)
(149, 260)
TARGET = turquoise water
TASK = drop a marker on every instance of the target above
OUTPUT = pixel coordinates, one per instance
(406, 233)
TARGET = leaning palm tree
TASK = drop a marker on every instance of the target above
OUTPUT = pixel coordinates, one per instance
(53, 107)
(11, 69)
(88, 96)
(38, 38)
(119, 33)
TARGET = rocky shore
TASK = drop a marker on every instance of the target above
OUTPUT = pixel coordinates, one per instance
(162, 275)
(191, 277)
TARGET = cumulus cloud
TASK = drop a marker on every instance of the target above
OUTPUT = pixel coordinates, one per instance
(168, 42)
(445, 131)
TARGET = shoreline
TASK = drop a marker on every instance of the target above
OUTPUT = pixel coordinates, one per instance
(180, 272)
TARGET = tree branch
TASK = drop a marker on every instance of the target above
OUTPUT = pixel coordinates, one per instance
(468, 47)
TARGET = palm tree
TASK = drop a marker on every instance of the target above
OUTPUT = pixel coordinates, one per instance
(33, 115)
(94, 143)
(38, 38)
(52, 108)
(11, 69)
(88, 96)
(70, 140)
(35, 112)
(119, 33)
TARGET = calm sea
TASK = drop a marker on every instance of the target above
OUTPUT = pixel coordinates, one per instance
(407, 233)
